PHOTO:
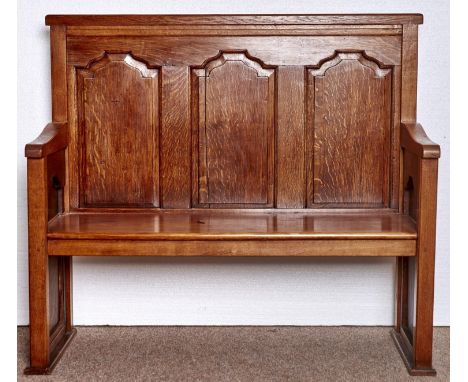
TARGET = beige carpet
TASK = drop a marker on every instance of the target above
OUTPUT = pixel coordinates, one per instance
(234, 354)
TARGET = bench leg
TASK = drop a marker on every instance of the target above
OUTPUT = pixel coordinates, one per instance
(415, 283)
(50, 308)
(413, 330)
(50, 325)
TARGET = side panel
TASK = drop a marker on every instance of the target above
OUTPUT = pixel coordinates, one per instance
(352, 130)
(118, 133)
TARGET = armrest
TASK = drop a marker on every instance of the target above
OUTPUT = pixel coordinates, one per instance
(420, 165)
(53, 138)
(414, 139)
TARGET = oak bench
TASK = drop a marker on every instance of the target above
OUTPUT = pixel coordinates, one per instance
(265, 135)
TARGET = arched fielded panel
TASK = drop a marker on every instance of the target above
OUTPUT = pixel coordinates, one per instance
(118, 133)
(233, 117)
(350, 98)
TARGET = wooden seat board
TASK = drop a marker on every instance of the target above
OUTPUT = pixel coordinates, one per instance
(211, 225)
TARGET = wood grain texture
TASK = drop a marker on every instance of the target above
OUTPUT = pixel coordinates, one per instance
(213, 225)
(415, 140)
(46, 179)
(409, 68)
(320, 19)
(72, 191)
(54, 137)
(235, 132)
(59, 90)
(68, 291)
(290, 172)
(56, 181)
(49, 288)
(412, 184)
(57, 299)
(38, 262)
(271, 50)
(54, 298)
(240, 135)
(352, 114)
(425, 264)
(413, 333)
(49, 279)
(237, 30)
(244, 248)
(396, 176)
(399, 293)
(175, 138)
(58, 63)
(118, 124)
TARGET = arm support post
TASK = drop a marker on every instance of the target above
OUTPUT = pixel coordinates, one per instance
(49, 278)
(414, 327)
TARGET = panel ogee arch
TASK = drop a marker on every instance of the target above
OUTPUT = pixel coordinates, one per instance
(350, 129)
(118, 124)
(233, 108)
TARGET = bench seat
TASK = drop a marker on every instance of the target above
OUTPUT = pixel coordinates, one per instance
(221, 233)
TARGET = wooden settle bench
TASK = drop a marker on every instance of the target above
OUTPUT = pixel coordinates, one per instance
(241, 135)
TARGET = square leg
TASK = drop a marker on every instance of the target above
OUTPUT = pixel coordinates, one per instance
(50, 313)
(413, 331)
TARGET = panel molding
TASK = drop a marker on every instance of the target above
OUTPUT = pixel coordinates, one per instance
(103, 174)
(385, 114)
(223, 57)
(379, 69)
(203, 80)
(98, 63)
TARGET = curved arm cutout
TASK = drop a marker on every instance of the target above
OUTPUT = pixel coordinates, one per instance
(414, 139)
(53, 138)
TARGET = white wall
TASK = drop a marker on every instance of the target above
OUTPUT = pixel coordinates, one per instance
(221, 291)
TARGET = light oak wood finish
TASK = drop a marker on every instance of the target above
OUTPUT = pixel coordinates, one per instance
(239, 135)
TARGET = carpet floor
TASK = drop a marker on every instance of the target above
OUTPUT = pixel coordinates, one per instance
(234, 354)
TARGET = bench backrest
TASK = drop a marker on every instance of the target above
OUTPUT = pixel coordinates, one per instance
(234, 111)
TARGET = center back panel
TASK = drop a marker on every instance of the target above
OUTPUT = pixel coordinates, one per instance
(226, 121)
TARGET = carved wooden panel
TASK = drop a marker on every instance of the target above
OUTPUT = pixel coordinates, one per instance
(233, 134)
(350, 98)
(118, 133)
